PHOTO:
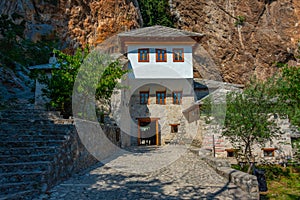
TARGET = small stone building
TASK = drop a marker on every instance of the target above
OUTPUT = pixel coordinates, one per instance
(276, 150)
(40, 100)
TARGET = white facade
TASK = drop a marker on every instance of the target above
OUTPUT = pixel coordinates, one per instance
(153, 69)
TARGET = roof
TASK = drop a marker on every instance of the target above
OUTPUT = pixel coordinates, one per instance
(159, 31)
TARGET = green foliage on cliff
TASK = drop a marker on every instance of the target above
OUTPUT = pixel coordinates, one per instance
(15, 49)
(156, 12)
(240, 21)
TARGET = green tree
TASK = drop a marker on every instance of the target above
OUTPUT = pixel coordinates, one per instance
(288, 91)
(156, 12)
(248, 120)
(59, 88)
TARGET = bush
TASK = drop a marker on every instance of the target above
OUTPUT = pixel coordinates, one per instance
(275, 172)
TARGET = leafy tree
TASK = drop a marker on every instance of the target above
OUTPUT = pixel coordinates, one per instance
(156, 12)
(248, 120)
(288, 90)
(59, 88)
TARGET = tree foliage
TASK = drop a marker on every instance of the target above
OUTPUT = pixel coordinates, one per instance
(60, 86)
(248, 120)
(156, 12)
(288, 91)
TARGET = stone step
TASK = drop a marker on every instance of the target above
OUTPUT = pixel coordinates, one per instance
(24, 195)
(25, 166)
(28, 121)
(17, 177)
(28, 158)
(26, 116)
(28, 112)
(24, 151)
(18, 137)
(36, 128)
(40, 132)
(33, 143)
(10, 188)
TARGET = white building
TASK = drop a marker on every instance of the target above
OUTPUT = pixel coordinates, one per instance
(159, 87)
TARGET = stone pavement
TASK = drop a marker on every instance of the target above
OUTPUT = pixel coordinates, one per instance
(187, 177)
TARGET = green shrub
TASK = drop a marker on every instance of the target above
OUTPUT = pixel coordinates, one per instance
(274, 172)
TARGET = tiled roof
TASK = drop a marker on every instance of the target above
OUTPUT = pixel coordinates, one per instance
(159, 31)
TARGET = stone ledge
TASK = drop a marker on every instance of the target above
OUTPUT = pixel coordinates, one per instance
(246, 182)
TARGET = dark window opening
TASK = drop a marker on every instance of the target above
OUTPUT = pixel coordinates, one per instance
(177, 96)
(144, 97)
(143, 55)
(269, 152)
(161, 98)
(161, 55)
(230, 152)
(178, 55)
(174, 128)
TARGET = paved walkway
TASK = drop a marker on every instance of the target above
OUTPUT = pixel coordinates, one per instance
(187, 177)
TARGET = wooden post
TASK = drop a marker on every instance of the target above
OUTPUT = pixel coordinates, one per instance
(214, 147)
(157, 139)
(139, 133)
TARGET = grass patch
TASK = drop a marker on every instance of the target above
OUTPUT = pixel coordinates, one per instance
(284, 188)
(283, 183)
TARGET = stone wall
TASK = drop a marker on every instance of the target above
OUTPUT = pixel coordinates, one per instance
(246, 182)
(281, 143)
(73, 156)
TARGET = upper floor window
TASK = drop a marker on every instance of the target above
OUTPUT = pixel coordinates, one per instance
(177, 96)
(178, 55)
(144, 97)
(161, 97)
(161, 55)
(143, 55)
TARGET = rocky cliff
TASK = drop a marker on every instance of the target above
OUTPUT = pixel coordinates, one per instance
(76, 22)
(243, 38)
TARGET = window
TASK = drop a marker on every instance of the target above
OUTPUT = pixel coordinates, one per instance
(269, 152)
(177, 96)
(143, 55)
(174, 128)
(230, 152)
(161, 55)
(178, 55)
(144, 97)
(161, 97)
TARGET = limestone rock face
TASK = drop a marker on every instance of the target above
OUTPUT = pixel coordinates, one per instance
(269, 34)
(76, 22)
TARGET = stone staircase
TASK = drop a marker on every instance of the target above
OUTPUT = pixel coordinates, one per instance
(30, 151)
(212, 137)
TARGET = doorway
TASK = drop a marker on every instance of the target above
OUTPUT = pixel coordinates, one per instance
(148, 131)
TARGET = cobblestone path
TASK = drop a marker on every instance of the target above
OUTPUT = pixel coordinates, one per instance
(186, 178)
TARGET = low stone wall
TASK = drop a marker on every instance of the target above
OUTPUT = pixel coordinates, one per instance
(246, 182)
(72, 157)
